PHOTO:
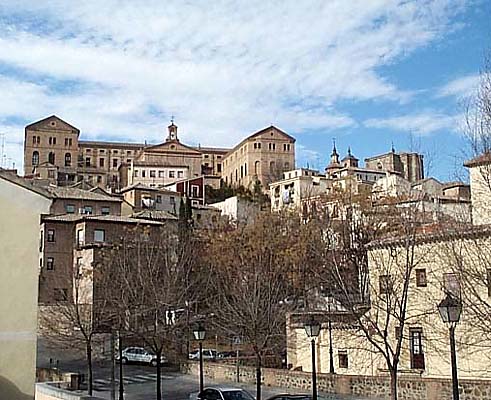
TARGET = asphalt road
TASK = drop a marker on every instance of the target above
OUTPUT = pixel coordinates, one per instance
(140, 380)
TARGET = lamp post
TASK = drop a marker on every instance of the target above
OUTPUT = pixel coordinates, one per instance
(450, 309)
(329, 327)
(313, 328)
(199, 334)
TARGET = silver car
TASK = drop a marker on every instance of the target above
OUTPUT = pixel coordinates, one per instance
(139, 355)
(208, 354)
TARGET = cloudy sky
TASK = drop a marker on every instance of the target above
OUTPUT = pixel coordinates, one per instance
(366, 72)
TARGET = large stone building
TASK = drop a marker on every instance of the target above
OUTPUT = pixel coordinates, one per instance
(408, 165)
(261, 157)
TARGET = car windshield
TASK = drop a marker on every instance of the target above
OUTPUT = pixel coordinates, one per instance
(236, 395)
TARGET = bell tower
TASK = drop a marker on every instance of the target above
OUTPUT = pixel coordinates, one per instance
(172, 128)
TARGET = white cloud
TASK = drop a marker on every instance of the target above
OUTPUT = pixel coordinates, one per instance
(421, 123)
(120, 69)
(461, 87)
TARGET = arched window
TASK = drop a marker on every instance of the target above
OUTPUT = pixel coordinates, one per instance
(35, 158)
(68, 160)
(51, 158)
(257, 165)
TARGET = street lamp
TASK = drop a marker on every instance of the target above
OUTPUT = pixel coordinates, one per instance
(329, 327)
(199, 334)
(313, 328)
(450, 309)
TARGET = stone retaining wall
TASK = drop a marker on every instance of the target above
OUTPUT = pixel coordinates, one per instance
(55, 391)
(410, 387)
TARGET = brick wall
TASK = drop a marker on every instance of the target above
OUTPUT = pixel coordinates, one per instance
(410, 388)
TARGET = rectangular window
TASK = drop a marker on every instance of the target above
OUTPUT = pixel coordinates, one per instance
(144, 173)
(152, 173)
(180, 174)
(343, 359)
(66, 141)
(172, 174)
(416, 348)
(161, 174)
(101, 162)
(78, 267)
(50, 263)
(99, 235)
(50, 235)
(135, 174)
(80, 237)
(194, 191)
(105, 211)
(219, 167)
(70, 209)
(159, 198)
(451, 284)
(421, 277)
(87, 161)
(384, 284)
(87, 210)
(115, 162)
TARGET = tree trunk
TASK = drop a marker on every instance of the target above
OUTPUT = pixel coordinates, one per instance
(258, 377)
(159, 374)
(89, 368)
(393, 384)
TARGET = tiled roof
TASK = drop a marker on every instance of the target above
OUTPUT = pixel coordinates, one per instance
(13, 178)
(154, 215)
(61, 192)
(94, 143)
(483, 159)
(101, 218)
(141, 186)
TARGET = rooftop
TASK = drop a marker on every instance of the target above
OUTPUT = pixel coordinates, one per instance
(61, 192)
(100, 218)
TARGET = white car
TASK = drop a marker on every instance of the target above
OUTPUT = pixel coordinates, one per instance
(208, 354)
(139, 355)
(222, 393)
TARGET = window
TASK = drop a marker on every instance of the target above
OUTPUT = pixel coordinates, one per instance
(99, 179)
(172, 174)
(50, 235)
(172, 200)
(87, 161)
(60, 294)
(161, 174)
(180, 174)
(70, 209)
(159, 199)
(66, 141)
(219, 168)
(87, 210)
(115, 152)
(68, 160)
(51, 173)
(421, 277)
(398, 332)
(115, 162)
(207, 156)
(135, 174)
(101, 162)
(54, 140)
(99, 235)
(152, 173)
(80, 237)
(384, 284)
(256, 167)
(105, 211)
(78, 267)
(101, 151)
(451, 284)
(35, 158)
(416, 348)
(34, 140)
(194, 191)
(144, 173)
(50, 263)
(51, 157)
(343, 359)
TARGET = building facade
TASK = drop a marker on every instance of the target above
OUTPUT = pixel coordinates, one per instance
(409, 165)
(261, 157)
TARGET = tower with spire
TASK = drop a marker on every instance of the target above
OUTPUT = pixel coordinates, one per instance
(334, 165)
(350, 160)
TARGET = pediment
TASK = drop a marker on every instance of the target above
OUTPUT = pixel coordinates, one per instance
(51, 123)
(171, 146)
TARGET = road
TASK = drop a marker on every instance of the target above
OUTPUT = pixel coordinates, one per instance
(140, 380)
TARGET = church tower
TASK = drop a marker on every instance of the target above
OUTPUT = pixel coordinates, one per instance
(172, 136)
(334, 165)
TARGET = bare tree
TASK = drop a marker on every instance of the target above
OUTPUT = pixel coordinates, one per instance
(369, 280)
(154, 278)
(258, 272)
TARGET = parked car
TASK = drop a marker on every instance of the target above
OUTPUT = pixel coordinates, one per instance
(139, 355)
(208, 354)
(290, 397)
(222, 393)
(228, 354)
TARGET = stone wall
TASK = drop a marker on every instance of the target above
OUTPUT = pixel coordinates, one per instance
(55, 391)
(410, 387)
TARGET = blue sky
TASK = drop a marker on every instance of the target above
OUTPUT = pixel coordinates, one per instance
(366, 72)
